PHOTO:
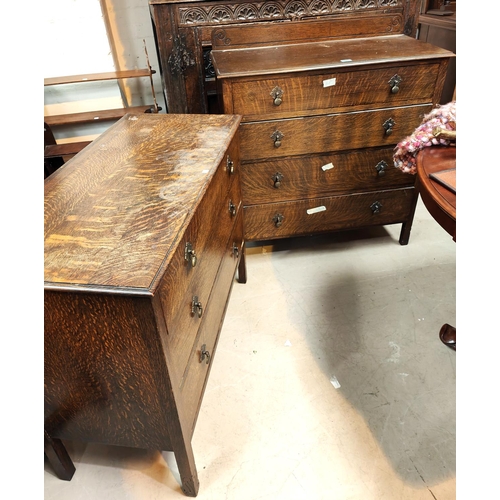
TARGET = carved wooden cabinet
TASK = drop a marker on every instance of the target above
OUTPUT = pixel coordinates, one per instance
(320, 122)
(143, 237)
(183, 32)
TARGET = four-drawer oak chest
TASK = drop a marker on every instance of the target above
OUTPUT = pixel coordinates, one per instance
(321, 118)
(143, 238)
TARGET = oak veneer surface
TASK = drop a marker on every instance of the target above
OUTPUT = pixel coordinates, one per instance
(110, 220)
(184, 31)
(305, 102)
(321, 55)
(127, 350)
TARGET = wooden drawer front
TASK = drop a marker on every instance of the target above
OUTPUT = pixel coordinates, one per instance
(333, 91)
(208, 232)
(323, 134)
(197, 371)
(322, 175)
(327, 214)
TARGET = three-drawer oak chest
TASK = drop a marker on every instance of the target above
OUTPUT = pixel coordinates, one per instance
(143, 240)
(322, 112)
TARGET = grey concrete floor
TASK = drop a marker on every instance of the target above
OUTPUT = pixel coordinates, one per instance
(329, 381)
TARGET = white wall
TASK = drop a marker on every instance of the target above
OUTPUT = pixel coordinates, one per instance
(93, 36)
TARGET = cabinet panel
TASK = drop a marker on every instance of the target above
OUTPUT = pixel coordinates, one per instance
(102, 363)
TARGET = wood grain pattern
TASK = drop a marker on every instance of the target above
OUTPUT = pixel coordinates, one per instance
(196, 376)
(103, 368)
(312, 94)
(182, 282)
(340, 212)
(311, 176)
(328, 133)
(319, 115)
(118, 293)
(115, 206)
(313, 56)
(184, 29)
(269, 33)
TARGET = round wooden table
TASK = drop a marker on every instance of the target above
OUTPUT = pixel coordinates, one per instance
(440, 201)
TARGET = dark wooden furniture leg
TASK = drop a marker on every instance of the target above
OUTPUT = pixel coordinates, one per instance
(58, 458)
(404, 236)
(448, 334)
(242, 267)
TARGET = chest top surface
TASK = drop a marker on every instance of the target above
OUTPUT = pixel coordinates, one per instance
(114, 212)
(310, 56)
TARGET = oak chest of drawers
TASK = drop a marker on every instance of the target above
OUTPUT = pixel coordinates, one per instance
(320, 123)
(143, 238)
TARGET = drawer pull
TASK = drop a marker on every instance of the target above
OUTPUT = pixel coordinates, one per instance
(190, 254)
(196, 307)
(232, 208)
(388, 126)
(278, 219)
(236, 250)
(276, 137)
(204, 354)
(380, 168)
(394, 83)
(230, 165)
(277, 178)
(375, 207)
(277, 94)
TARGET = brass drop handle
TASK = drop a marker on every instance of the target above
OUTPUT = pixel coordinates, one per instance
(204, 354)
(376, 207)
(394, 83)
(380, 168)
(236, 250)
(277, 178)
(196, 307)
(278, 219)
(277, 95)
(190, 254)
(388, 126)
(230, 165)
(276, 137)
(232, 208)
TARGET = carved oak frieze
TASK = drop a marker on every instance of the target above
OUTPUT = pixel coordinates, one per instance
(275, 10)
